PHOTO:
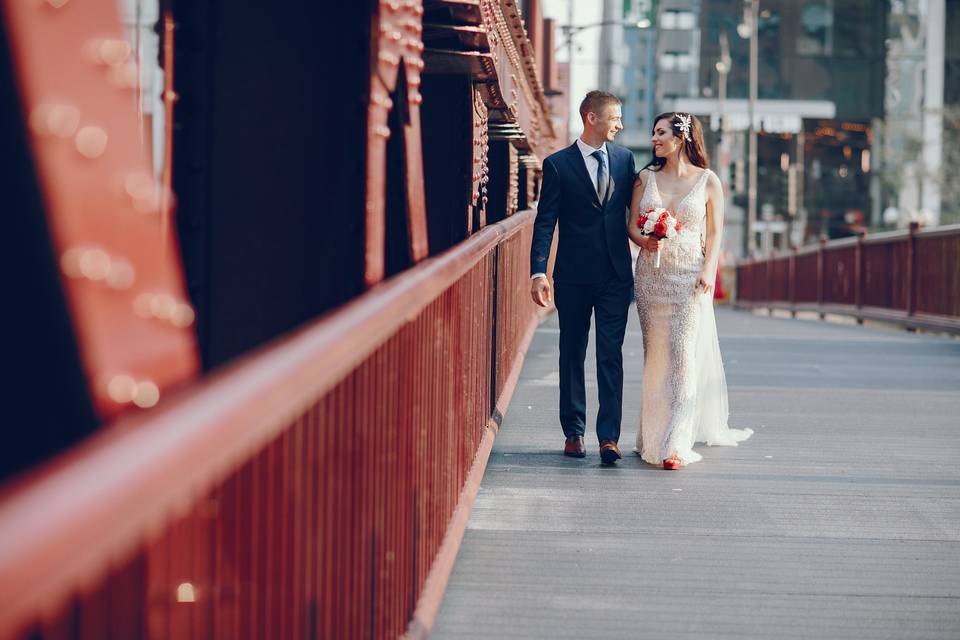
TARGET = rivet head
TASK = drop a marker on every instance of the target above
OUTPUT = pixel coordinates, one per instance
(111, 52)
(163, 306)
(142, 190)
(138, 185)
(70, 262)
(146, 395)
(125, 76)
(183, 316)
(91, 142)
(122, 388)
(141, 305)
(55, 120)
(114, 51)
(120, 275)
(94, 264)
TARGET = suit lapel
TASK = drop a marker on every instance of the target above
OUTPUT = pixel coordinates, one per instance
(579, 167)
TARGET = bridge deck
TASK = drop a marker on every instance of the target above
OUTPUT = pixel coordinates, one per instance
(839, 518)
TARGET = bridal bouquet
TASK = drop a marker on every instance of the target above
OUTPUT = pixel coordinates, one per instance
(660, 224)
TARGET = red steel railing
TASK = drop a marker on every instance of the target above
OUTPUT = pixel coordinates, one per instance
(302, 492)
(907, 277)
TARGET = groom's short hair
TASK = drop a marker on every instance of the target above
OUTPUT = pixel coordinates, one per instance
(595, 101)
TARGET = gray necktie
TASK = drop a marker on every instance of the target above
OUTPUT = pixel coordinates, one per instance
(601, 174)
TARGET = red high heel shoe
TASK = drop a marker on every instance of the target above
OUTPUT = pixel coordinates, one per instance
(672, 464)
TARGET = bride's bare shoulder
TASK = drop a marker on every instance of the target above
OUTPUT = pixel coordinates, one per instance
(641, 180)
(713, 180)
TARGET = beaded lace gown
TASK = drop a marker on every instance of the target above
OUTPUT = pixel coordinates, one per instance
(684, 388)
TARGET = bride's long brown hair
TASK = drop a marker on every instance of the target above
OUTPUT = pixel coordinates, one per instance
(695, 148)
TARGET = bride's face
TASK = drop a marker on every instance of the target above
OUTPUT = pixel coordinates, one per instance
(664, 142)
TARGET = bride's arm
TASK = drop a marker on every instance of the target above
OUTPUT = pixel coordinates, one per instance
(634, 211)
(708, 276)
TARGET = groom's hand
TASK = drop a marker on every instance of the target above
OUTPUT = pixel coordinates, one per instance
(541, 292)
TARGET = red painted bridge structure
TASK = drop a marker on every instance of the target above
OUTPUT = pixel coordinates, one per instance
(273, 372)
(252, 391)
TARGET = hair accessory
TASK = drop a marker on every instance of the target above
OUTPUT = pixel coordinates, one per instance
(684, 123)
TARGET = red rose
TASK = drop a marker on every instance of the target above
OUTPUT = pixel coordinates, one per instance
(660, 229)
(678, 227)
(642, 220)
(650, 210)
(663, 217)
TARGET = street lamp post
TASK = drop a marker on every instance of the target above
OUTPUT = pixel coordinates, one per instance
(723, 69)
(751, 15)
(570, 30)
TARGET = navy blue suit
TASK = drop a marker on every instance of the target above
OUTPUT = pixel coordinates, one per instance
(592, 276)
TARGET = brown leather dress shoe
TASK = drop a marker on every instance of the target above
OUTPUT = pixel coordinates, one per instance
(609, 452)
(574, 447)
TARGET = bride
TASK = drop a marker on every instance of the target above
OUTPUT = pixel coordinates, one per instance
(684, 389)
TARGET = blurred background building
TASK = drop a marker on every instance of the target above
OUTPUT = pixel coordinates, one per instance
(140, 19)
(856, 115)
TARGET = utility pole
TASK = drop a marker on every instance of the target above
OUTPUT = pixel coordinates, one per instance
(932, 128)
(723, 69)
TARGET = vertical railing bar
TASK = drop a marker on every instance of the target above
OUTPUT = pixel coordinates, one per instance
(821, 250)
(858, 274)
(792, 281)
(911, 271)
(493, 325)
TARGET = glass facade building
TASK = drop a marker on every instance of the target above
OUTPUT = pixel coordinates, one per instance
(817, 177)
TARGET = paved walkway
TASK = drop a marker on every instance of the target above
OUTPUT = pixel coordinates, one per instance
(839, 518)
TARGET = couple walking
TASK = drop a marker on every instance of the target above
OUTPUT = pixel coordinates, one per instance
(593, 190)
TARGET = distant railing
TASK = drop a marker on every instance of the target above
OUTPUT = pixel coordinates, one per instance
(911, 278)
(302, 492)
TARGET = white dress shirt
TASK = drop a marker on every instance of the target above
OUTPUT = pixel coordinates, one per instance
(593, 166)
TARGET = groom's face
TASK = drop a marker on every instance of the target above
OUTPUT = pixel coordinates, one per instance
(607, 123)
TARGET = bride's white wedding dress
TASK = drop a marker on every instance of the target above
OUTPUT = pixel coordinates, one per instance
(684, 388)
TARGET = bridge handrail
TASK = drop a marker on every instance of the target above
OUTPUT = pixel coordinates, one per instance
(107, 495)
(909, 277)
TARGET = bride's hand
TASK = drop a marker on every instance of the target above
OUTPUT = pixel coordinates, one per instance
(705, 282)
(650, 244)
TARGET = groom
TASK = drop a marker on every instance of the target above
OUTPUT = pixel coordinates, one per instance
(587, 188)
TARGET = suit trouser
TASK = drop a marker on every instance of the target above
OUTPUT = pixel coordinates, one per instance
(609, 302)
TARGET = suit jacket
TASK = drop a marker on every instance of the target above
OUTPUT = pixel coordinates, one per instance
(593, 244)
